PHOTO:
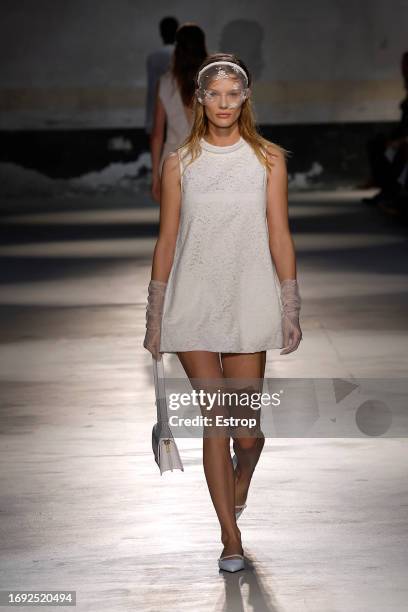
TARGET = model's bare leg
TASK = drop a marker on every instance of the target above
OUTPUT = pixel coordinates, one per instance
(247, 449)
(217, 462)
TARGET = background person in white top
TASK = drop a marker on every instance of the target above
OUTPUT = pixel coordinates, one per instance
(157, 63)
(230, 184)
(174, 101)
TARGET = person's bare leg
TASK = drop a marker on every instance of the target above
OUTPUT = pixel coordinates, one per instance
(217, 462)
(247, 449)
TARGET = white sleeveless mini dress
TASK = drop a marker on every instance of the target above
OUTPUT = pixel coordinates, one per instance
(223, 292)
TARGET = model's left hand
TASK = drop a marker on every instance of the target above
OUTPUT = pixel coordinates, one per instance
(291, 301)
(292, 334)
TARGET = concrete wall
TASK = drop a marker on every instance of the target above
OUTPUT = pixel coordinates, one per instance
(80, 63)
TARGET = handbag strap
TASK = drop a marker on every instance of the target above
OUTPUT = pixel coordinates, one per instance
(160, 391)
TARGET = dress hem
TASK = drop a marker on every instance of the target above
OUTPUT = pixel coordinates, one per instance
(229, 350)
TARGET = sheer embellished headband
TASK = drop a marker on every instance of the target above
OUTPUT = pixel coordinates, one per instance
(234, 66)
(210, 96)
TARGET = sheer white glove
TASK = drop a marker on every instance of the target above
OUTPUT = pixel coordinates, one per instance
(291, 301)
(154, 312)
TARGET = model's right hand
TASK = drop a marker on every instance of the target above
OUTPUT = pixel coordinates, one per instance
(154, 312)
(152, 343)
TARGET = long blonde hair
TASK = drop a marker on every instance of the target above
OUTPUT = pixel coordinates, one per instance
(246, 121)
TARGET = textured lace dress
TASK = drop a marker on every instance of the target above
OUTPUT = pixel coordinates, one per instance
(223, 292)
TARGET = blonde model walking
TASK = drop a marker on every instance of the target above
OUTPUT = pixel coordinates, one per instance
(223, 287)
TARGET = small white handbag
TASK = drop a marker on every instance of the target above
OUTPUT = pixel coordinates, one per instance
(165, 450)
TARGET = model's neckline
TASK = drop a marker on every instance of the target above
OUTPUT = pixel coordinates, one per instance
(222, 149)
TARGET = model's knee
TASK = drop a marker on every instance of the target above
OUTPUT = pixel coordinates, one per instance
(247, 440)
(246, 443)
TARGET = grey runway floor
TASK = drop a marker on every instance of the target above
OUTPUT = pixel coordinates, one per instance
(83, 506)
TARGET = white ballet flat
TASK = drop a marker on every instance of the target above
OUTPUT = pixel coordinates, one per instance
(231, 563)
(238, 509)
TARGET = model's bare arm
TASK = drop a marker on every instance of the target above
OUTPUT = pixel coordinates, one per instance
(170, 200)
(280, 240)
(156, 143)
